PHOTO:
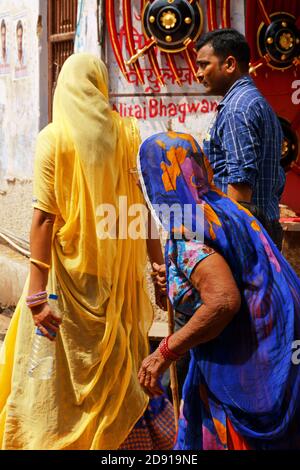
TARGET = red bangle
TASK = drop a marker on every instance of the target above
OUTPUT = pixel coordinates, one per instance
(166, 352)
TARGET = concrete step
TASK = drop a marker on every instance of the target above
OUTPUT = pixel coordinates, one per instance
(158, 330)
(14, 269)
(5, 318)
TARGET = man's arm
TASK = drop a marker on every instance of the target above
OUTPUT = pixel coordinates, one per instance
(241, 146)
(240, 192)
(156, 258)
(153, 242)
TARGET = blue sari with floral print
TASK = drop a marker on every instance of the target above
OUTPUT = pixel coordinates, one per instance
(247, 378)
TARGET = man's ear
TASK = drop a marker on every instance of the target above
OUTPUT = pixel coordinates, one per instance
(231, 64)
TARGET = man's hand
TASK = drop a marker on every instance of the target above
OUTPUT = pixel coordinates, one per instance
(159, 277)
(160, 284)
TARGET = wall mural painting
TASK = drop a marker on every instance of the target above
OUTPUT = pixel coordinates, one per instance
(5, 45)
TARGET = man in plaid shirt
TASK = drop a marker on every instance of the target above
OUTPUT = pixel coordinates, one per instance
(245, 142)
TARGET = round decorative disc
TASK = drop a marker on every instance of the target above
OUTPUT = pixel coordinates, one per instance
(172, 22)
(279, 42)
(289, 152)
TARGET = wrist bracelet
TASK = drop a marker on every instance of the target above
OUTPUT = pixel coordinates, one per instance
(38, 295)
(35, 304)
(36, 299)
(166, 352)
(41, 264)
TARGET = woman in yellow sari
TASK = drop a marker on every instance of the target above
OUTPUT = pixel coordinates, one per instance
(93, 399)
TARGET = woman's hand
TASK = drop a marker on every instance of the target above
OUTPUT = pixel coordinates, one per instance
(152, 367)
(45, 320)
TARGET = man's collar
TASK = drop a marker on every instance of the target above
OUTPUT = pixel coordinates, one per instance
(245, 79)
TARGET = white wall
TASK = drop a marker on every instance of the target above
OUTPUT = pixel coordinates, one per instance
(23, 110)
(86, 38)
(19, 96)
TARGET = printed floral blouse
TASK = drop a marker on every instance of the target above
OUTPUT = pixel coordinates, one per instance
(183, 257)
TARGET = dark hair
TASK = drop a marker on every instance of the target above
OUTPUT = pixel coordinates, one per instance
(227, 42)
(3, 25)
(19, 25)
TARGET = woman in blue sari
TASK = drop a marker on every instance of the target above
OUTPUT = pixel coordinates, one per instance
(242, 390)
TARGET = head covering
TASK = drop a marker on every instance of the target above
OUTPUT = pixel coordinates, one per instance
(175, 201)
(94, 399)
(248, 368)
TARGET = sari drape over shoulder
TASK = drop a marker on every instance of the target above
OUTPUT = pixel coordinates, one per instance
(93, 399)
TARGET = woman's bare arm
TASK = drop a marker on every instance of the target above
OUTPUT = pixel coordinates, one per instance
(40, 247)
(221, 301)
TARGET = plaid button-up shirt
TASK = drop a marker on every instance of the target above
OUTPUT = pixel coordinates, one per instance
(244, 146)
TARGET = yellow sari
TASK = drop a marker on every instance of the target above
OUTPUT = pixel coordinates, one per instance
(93, 399)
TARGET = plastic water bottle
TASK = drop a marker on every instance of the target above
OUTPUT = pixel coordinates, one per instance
(42, 359)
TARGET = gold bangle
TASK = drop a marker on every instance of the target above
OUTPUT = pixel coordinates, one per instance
(39, 263)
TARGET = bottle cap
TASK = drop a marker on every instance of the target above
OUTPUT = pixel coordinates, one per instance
(39, 333)
(53, 296)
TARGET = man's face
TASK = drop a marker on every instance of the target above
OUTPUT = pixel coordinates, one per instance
(19, 40)
(212, 71)
(3, 39)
